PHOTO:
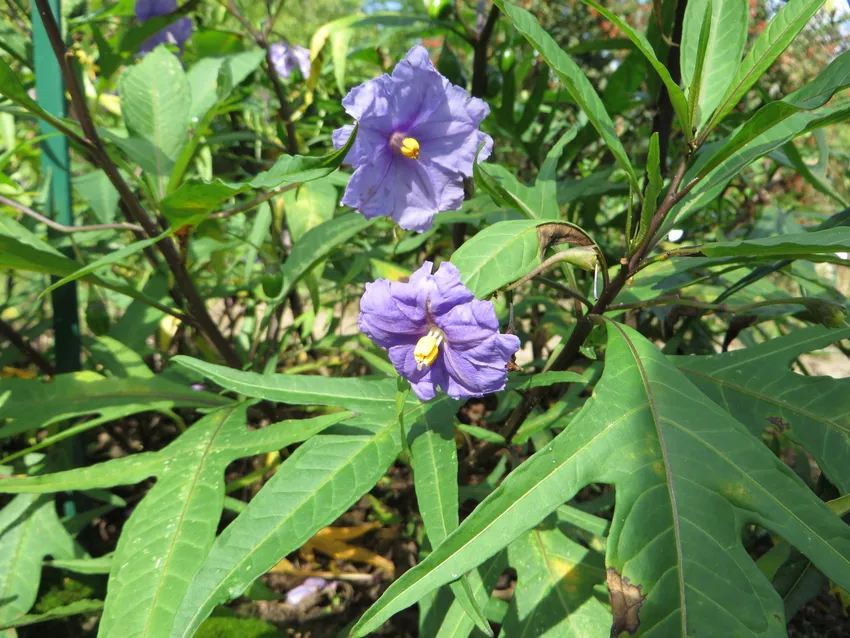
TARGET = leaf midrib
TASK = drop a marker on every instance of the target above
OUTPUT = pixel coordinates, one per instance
(201, 466)
(766, 399)
(668, 472)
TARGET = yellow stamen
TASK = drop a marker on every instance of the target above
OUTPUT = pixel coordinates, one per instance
(427, 348)
(410, 148)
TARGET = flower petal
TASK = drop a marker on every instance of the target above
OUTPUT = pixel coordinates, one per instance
(424, 382)
(392, 314)
(480, 369)
(450, 293)
(369, 145)
(468, 324)
(369, 104)
(367, 189)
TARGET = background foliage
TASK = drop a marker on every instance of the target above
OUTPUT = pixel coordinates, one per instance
(201, 426)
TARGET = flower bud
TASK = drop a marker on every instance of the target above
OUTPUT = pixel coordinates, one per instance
(827, 313)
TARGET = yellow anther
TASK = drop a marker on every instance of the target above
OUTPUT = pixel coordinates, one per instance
(427, 348)
(410, 148)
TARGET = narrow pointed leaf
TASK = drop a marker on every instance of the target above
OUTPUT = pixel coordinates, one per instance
(779, 33)
(573, 79)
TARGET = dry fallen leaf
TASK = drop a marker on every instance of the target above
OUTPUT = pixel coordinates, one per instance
(330, 541)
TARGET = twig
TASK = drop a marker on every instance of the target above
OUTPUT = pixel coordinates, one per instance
(25, 348)
(67, 229)
(479, 60)
(101, 158)
(253, 203)
(569, 292)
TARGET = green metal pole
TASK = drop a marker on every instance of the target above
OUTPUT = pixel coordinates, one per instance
(55, 164)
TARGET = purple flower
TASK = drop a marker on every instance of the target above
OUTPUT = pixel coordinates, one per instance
(285, 58)
(438, 334)
(175, 33)
(417, 139)
(309, 587)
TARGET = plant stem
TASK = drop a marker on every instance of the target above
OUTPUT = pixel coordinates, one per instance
(23, 346)
(67, 229)
(133, 207)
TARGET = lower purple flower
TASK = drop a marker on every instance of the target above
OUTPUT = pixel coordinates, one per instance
(175, 33)
(437, 334)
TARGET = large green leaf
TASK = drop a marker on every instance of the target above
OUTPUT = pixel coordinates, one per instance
(171, 531)
(796, 244)
(506, 251)
(573, 79)
(316, 244)
(770, 44)
(723, 50)
(212, 79)
(435, 480)
(34, 404)
(310, 489)
(687, 476)
(29, 531)
(813, 95)
(155, 102)
(758, 387)
(554, 594)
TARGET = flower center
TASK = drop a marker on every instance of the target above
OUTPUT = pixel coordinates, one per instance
(407, 146)
(428, 347)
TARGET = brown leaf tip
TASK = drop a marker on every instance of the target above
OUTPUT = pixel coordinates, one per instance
(626, 601)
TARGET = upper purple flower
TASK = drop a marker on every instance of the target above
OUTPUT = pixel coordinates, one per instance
(285, 58)
(438, 334)
(175, 33)
(417, 139)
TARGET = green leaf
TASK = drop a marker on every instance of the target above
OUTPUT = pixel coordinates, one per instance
(155, 103)
(506, 251)
(435, 480)
(447, 617)
(507, 191)
(72, 609)
(211, 80)
(723, 49)
(544, 197)
(779, 33)
(170, 532)
(35, 404)
(713, 184)
(313, 487)
(573, 79)
(99, 565)
(482, 433)
(758, 387)
(687, 478)
(107, 260)
(801, 245)
(695, 87)
(677, 97)
(192, 202)
(791, 157)
(29, 531)
(295, 169)
(554, 594)
(11, 87)
(313, 204)
(353, 394)
(813, 95)
(99, 193)
(654, 184)
(317, 244)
